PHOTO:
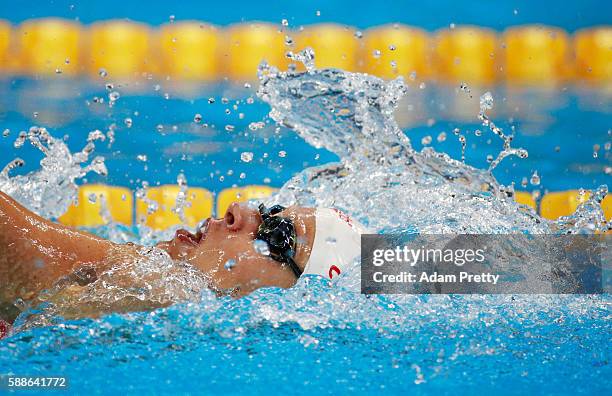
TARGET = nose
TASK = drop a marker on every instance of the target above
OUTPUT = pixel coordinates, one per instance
(241, 217)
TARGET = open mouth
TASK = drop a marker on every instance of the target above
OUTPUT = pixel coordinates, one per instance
(191, 238)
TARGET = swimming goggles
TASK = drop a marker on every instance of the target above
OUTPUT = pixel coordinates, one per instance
(279, 233)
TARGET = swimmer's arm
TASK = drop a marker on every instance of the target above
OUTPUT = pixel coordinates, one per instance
(35, 252)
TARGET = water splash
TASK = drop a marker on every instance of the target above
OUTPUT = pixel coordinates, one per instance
(51, 189)
(381, 179)
(386, 184)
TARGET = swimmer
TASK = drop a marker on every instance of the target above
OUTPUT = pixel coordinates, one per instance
(35, 252)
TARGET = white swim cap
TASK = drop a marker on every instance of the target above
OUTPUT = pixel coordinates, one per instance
(337, 243)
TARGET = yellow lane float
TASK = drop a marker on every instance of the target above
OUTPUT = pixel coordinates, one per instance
(536, 55)
(98, 204)
(119, 49)
(247, 45)
(564, 203)
(49, 46)
(395, 50)
(525, 198)
(593, 49)
(334, 45)
(466, 54)
(241, 194)
(5, 40)
(190, 51)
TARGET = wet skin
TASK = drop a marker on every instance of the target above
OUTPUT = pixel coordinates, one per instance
(231, 238)
(35, 252)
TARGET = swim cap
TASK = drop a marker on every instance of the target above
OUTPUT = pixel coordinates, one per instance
(337, 243)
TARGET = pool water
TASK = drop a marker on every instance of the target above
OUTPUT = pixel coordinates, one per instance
(316, 337)
(560, 128)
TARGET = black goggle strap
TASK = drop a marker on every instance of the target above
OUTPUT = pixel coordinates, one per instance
(294, 267)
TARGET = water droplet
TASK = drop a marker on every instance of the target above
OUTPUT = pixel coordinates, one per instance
(197, 118)
(229, 264)
(318, 13)
(358, 34)
(422, 85)
(524, 182)
(535, 179)
(171, 18)
(478, 132)
(102, 73)
(159, 127)
(261, 247)
(253, 126)
(441, 137)
(246, 156)
(96, 135)
(211, 100)
(92, 198)
(20, 139)
(229, 128)
(412, 76)
(376, 54)
(392, 47)
(242, 175)
(285, 22)
(486, 101)
(141, 157)
(113, 96)
(6, 132)
(58, 70)
(128, 122)
(426, 140)
(282, 153)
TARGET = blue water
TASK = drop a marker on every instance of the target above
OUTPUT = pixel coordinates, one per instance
(190, 349)
(430, 15)
(307, 339)
(558, 128)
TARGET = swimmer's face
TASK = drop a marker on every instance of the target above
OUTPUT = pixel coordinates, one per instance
(224, 250)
